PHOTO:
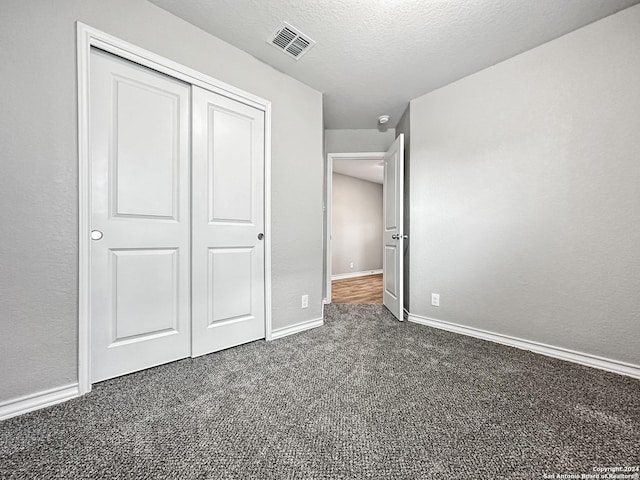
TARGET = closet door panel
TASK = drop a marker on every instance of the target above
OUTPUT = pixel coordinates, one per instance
(140, 217)
(228, 218)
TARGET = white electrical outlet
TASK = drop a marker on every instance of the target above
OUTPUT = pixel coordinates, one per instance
(435, 299)
(305, 301)
(351, 265)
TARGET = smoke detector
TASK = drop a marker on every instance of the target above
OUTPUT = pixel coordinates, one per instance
(291, 41)
(382, 119)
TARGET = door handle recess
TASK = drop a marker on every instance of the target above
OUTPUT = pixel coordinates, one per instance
(260, 236)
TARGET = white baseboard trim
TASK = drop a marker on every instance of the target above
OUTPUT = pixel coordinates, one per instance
(36, 401)
(297, 328)
(341, 276)
(582, 358)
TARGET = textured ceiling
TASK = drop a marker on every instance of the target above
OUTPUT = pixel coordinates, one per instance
(373, 56)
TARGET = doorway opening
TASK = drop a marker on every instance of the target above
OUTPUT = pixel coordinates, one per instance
(355, 227)
(393, 239)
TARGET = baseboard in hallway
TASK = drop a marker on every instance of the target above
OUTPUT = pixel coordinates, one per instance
(365, 273)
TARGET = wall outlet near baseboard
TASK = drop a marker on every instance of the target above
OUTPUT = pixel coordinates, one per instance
(351, 265)
(305, 301)
(435, 299)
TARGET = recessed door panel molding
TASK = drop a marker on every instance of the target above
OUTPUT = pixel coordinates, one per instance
(390, 281)
(140, 299)
(230, 277)
(393, 238)
(232, 144)
(228, 252)
(145, 152)
(145, 293)
(390, 192)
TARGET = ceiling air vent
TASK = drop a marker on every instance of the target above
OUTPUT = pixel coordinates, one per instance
(291, 41)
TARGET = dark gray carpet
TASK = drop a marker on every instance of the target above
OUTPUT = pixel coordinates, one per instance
(362, 397)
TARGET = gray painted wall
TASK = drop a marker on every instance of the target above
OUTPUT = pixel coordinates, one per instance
(525, 194)
(404, 126)
(358, 140)
(38, 185)
(356, 233)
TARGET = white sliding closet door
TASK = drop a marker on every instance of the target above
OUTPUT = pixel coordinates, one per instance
(228, 223)
(140, 299)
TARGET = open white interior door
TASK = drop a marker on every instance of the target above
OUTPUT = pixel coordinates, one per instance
(392, 197)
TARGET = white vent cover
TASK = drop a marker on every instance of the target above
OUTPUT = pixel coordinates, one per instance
(291, 41)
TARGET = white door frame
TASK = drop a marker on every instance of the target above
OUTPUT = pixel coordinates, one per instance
(329, 191)
(88, 37)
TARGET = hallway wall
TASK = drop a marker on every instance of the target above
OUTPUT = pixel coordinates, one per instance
(356, 211)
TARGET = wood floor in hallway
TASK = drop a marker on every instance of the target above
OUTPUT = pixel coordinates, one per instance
(366, 289)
